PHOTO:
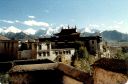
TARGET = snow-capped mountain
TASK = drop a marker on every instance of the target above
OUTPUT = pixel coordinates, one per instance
(51, 31)
(44, 31)
(12, 29)
(1, 30)
(89, 30)
(41, 32)
(29, 31)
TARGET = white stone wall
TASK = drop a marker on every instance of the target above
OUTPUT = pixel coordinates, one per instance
(25, 54)
(43, 46)
(46, 56)
(106, 54)
(101, 47)
(53, 54)
(45, 53)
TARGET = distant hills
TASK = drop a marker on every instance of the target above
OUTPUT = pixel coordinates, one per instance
(13, 33)
(114, 36)
(19, 36)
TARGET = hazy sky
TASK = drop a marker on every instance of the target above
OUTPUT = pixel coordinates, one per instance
(99, 14)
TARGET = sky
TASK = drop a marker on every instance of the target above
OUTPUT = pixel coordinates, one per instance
(36, 14)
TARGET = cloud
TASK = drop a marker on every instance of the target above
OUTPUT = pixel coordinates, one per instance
(121, 22)
(27, 22)
(118, 22)
(32, 17)
(120, 26)
(35, 23)
(30, 31)
(7, 21)
(17, 21)
(87, 29)
(10, 21)
(94, 25)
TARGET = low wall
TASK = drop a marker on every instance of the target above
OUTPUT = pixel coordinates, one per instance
(102, 76)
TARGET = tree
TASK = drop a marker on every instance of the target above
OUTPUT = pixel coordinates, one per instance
(78, 44)
(81, 59)
(83, 53)
(121, 55)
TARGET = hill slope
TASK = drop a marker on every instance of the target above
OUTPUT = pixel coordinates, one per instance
(114, 36)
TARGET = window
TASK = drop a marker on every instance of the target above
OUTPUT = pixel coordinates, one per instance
(12, 47)
(60, 52)
(63, 52)
(48, 46)
(66, 52)
(69, 51)
(4, 45)
(56, 52)
(35, 46)
(48, 54)
(92, 42)
(8, 45)
(39, 47)
(12, 44)
(30, 46)
(92, 48)
(60, 60)
(44, 53)
(39, 54)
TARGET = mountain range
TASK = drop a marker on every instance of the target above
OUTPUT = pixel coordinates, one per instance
(15, 33)
(30, 31)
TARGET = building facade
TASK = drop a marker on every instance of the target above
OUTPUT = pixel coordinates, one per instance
(64, 43)
(8, 50)
(27, 50)
(45, 51)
